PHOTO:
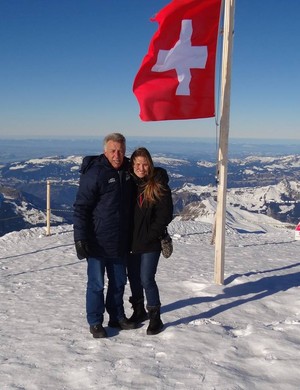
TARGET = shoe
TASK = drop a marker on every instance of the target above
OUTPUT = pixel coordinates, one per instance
(123, 324)
(98, 331)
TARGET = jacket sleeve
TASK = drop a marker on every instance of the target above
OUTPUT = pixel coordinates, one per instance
(162, 215)
(86, 199)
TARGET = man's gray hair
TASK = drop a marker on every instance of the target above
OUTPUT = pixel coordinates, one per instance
(116, 137)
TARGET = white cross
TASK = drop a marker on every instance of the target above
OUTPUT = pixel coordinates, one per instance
(182, 57)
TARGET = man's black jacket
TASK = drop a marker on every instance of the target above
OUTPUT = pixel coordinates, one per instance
(102, 209)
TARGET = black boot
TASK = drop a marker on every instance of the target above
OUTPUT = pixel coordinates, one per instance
(123, 324)
(98, 331)
(139, 313)
(155, 325)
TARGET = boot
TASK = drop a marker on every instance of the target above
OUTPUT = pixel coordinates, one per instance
(123, 324)
(98, 331)
(156, 325)
(139, 313)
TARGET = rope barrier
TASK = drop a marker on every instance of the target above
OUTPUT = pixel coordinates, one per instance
(7, 219)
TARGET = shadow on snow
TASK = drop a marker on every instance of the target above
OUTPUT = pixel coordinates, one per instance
(237, 295)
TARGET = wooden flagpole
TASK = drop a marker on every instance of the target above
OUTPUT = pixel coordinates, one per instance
(223, 141)
(48, 212)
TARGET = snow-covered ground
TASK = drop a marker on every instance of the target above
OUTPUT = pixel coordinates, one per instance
(244, 334)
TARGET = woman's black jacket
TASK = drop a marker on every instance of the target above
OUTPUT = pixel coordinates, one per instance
(150, 222)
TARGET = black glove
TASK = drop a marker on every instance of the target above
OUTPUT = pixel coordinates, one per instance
(82, 249)
(166, 246)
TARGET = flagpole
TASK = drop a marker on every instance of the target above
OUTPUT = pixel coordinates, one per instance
(223, 141)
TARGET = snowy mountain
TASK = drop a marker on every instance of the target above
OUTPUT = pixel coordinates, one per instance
(280, 201)
(256, 184)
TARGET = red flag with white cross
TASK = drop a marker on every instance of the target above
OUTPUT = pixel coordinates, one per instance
(176, 79)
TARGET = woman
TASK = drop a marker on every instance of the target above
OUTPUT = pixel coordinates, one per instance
(152, 213)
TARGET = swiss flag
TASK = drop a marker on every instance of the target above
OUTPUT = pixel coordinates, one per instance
(177, 77)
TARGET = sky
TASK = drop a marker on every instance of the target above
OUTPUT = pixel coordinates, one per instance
(67, 69)
(243, 335)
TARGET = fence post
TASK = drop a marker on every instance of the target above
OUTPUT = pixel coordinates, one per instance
(48, 209)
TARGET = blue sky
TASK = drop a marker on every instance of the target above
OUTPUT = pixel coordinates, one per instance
(67, 68)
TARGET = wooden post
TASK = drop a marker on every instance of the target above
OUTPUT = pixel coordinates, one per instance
(48, 209)
(223, 142)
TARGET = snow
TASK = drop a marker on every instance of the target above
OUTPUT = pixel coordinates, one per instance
(274, 162)
(242, 335)
(169, 161)
(254, 199)
(40, 162)
(206, 164)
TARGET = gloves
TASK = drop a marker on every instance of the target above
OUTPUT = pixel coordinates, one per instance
(82, 249)
(166, 246)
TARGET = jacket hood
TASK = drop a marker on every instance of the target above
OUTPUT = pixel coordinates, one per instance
(88, 162)
(161, 175)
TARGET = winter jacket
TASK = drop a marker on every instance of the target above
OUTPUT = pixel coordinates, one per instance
(151, 221)
(102, 209)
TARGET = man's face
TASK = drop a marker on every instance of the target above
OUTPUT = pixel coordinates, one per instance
(115, 152)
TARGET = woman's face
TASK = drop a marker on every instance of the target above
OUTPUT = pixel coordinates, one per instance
(140, 167)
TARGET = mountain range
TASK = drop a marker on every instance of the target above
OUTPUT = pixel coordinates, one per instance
(256, 185)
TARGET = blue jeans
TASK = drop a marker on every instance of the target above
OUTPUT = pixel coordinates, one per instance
(141, 269)
(114, 304)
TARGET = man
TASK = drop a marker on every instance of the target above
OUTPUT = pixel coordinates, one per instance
(102, 225)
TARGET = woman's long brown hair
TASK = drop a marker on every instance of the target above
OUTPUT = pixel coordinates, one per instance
(152, 189)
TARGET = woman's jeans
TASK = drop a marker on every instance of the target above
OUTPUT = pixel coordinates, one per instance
(141, 274)
(116, 274)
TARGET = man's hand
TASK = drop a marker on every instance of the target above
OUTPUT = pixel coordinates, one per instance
(82, 249)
